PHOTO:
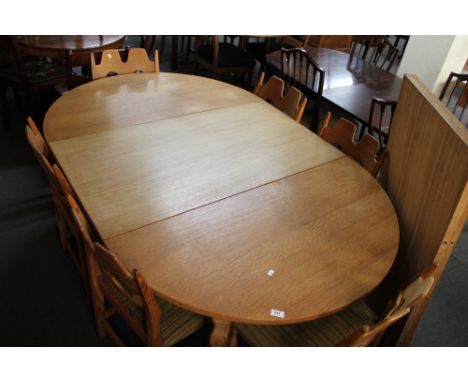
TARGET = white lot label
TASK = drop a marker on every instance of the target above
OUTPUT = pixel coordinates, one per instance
(277, 313)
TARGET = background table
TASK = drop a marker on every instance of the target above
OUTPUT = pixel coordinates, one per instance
(58, 46)
(350, 86)
(227, 206)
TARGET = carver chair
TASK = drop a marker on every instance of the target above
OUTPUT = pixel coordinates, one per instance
(292, 103)
(119, 292)
(455, 95)
(343, 136)
(299, 70)
(356, 325)
(137, 61)
(60, 188)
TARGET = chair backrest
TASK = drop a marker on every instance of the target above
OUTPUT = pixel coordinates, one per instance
(380, 116)
(62, 181)
(425, 177)
(112, 64)
(40, 149)
(36, 139)
(81, 224)
(301, 71)
(343, 134)
(404, 303)
(110, 281)
(455, 95)
(378, 50)
(129, 295)
(293, 103)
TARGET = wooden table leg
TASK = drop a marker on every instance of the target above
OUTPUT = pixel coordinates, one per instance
(222, 334)
(174, 51)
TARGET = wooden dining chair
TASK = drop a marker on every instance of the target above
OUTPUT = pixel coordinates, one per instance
(454, 95)
(301, 71)
(377, 50)
(73, 242)
(60, 188)
(29, 73)
(343, 136)
(293, 103)
(222, 57)
(38, 144)
(380, 119)
(112, 64)
(116, 291)
(356, 325)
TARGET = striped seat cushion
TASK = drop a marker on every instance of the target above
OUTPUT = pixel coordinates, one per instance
(176, 323)
(328, 331)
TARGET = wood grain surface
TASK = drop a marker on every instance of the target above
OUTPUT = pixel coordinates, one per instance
(205, 188)
(127, 178)
(426, 177)
(129, 100)
(311, 229)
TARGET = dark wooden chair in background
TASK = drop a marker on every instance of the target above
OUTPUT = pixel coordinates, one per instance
(377, 50)
(262, 45)
(301, 71)
(78, 68)
(356, 325)
(293, 103)
(222, 57)
(147, 43)
(454, 95)
(380, 119)
(28, 72)
(343, 136)
(405, 39)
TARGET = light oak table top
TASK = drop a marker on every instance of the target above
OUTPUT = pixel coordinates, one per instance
(227, 206)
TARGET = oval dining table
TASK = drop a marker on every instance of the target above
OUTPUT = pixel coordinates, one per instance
(228, 207)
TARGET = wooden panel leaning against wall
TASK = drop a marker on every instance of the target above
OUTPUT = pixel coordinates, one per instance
(425, 176)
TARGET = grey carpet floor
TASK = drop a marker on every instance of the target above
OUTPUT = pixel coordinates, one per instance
(41, 298)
